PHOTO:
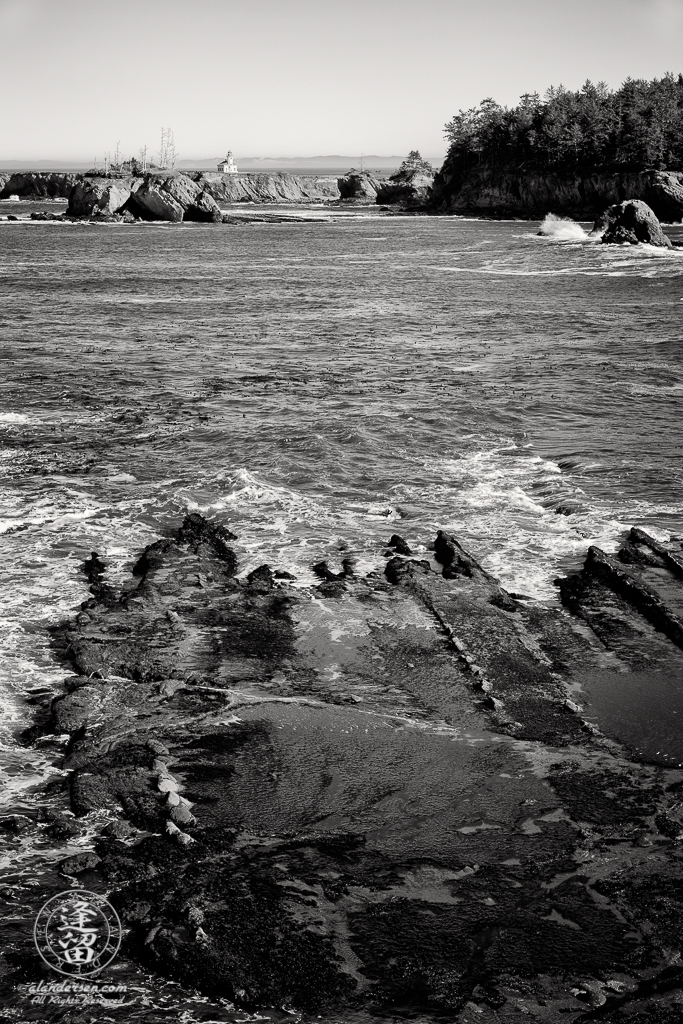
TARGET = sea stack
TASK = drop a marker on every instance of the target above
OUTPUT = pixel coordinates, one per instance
(631, 222)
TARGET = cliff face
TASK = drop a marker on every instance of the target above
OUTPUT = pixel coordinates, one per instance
(50, 184)
(269, 188)
(519, 193)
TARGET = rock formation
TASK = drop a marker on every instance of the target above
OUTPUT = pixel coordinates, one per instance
(411, 185)
(270, 188)
(173, 198)
(407, 816)
(358, 186)
(41, 184)
(195, 197)
(504, 192)
(632, 222)
(100, 197)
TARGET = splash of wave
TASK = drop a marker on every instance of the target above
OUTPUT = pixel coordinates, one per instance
(562, 229)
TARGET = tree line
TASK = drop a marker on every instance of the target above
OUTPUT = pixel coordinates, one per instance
(636, 126)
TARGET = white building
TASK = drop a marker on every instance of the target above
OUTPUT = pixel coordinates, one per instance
(227, 166)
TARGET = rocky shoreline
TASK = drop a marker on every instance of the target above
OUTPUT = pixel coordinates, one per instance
(378, 797)
(482, 192)
(196, 197)
(505, 193)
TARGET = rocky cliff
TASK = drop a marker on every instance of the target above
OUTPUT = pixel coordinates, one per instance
(496, 192)
(51, 185)
(269, 188)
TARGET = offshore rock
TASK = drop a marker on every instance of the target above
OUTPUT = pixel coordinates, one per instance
(411, 185)
(358, 186)
(387, 805)
(632, 222)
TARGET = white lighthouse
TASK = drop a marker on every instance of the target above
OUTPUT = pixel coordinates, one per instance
(227, 166)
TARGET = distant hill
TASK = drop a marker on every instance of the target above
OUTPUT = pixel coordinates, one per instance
(334, 164)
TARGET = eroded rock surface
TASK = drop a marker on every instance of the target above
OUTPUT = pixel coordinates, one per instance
(376, 797)
(632, 222)
(359, 186)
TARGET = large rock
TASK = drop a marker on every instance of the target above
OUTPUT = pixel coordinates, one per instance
(358, 186)
(152, 202)
(411, 185)
(632, 222)
(100, 197)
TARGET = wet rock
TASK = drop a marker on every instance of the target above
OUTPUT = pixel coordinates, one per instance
(455, 560)
(398, 569)
(79, 862)
(399, 545)
(261, 578)
(59, 825)
(323, 570)
(632, 222)
(15, 823)
(353, 836)
(119, 830)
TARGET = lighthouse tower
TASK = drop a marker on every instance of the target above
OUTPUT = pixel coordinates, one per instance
(227, 166)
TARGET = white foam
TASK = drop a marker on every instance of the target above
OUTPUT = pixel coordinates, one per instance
(15, 417)
(562, 229)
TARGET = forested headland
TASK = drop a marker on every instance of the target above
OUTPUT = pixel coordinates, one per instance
(569, 152)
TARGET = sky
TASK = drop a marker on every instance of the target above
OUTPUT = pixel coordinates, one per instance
(300, 77)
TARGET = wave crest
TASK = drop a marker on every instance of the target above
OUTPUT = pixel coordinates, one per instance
(563, 229)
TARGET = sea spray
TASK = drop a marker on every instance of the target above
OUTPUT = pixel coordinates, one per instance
(562, 229)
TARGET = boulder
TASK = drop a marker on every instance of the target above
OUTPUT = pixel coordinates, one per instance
(358, 186)
(204, 208)
(152, 202)
(631, 222)
(95, 197)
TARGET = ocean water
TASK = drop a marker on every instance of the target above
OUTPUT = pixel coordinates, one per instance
(316, 387)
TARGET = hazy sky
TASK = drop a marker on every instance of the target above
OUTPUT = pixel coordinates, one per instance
(300, 77)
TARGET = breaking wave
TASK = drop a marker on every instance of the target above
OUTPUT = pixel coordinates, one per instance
(562, 229)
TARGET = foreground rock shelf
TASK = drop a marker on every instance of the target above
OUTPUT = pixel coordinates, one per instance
(379, 796)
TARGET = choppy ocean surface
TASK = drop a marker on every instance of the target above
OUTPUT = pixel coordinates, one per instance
(317, 387)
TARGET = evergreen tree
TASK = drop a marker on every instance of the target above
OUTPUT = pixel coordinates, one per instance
(637, 126)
